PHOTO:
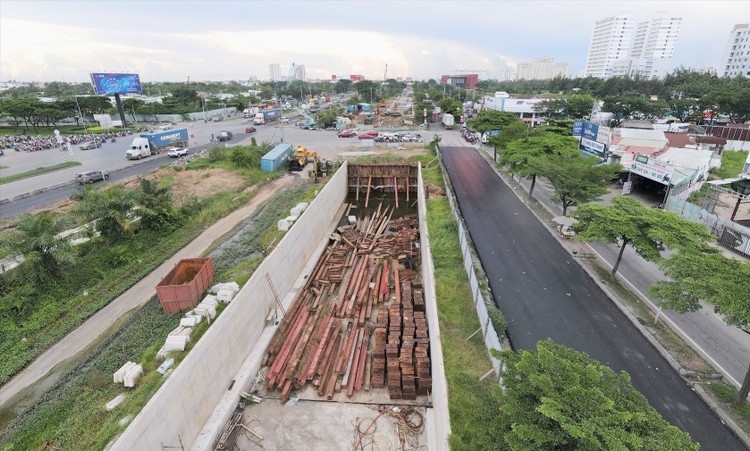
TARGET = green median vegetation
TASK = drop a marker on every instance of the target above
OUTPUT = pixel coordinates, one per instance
(38, 171)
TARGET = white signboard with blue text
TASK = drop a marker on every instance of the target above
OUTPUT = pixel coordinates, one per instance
(653, 169)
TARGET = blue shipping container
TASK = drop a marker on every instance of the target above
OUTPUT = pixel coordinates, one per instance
(157, 140)
(276, 157)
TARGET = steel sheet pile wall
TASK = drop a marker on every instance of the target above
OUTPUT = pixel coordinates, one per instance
(178, 411)
(438, 423)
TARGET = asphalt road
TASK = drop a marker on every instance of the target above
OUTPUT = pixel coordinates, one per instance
(545, 294)
(726, 347)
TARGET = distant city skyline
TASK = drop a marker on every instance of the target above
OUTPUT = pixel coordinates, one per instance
(241, 40)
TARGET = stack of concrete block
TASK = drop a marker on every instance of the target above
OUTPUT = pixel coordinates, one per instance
(284, 225)
(206, 308)
(128, 374)
(301, 207)
(227, 293)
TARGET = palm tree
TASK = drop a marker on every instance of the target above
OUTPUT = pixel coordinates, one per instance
(155, 205)
(37, 239)
(109, 208)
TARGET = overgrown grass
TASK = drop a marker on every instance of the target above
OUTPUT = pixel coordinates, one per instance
(71, 415)
(731, 164)
(473, 408)
(38, 171)
(728, 395)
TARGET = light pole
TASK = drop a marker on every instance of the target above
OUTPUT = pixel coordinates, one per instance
(80, 114)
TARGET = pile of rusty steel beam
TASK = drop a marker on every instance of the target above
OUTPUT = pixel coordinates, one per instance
(359, 321)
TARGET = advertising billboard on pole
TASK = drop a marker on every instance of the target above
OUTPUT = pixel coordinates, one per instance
(653, 169)
(108, 84)
(577, 128)
(592, 147)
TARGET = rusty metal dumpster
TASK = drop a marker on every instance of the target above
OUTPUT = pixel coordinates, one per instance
(184, 285)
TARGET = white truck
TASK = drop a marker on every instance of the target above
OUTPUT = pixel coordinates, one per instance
(148, 144)
(448, 121)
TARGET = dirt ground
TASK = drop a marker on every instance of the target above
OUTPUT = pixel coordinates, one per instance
(725, 206)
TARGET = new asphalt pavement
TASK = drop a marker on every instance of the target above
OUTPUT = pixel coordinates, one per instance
(545, 294)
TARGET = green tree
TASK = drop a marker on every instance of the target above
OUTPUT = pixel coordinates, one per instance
(576, 106)
(132, 105)
(520, 154)
(633, 107)
(342, 85)
(110, 209)
(327, 119)
(155, 205)
(560, 399)
(648, 230)
(37, 238)
(709, 276)
(184, 95)
(516, 130)
(576, 180)
(732, 98)
(94, 104)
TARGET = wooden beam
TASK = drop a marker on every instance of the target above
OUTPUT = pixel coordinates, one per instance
(367, 198)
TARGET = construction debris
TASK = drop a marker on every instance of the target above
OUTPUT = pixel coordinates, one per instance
(359, 322)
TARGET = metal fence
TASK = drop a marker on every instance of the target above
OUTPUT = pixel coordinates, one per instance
(491, 340)
(731, 235)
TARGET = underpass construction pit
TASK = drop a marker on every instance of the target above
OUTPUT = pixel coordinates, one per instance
(333, 343)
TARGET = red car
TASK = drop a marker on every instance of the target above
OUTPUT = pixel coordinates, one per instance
(347, 134)
(371, 134)
(250, 130)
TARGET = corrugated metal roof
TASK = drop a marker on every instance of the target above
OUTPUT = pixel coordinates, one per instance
(642, 134)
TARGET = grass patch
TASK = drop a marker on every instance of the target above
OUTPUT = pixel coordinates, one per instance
(473, 408)
(728, 395)
(38, 171)
(732, 163)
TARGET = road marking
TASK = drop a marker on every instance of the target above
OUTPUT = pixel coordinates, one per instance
(674, 325)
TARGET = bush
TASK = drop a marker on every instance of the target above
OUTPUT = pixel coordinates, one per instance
(499, 323)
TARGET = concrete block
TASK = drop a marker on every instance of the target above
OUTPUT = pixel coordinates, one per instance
(116, 401)
(292, 218)
(133, 375)
(190, 321)
(175, 343)
(207, 311)
(212, 302)
(284, 225)
(352, 220)
(161, 354)
(226, 295)
(212, 297)
(119, 376)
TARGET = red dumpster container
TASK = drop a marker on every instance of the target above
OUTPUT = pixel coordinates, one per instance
(184, 285)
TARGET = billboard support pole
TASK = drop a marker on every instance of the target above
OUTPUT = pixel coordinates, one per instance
(118, 102)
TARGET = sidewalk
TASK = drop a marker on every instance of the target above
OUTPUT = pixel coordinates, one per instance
(726, 348)
(42, 369)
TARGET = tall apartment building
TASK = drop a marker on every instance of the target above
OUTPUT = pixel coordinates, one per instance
(275, 71)
(618, 47)
(610, 42)
(541, 69)
(653, 46)
(299, 72)
(737, 53)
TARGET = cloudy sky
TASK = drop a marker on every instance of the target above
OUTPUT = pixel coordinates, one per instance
(235, 40)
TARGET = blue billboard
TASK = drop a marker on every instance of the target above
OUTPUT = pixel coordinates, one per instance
(105, 84)
(590, 131)
(577, 128)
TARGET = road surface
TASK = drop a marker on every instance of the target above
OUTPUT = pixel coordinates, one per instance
(545, 294)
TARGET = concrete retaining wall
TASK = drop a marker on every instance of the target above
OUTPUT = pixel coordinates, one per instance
(181, 407)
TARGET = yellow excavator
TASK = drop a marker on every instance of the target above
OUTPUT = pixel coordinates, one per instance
(301, 156)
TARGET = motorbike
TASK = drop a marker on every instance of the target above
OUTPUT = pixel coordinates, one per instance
(114, 140)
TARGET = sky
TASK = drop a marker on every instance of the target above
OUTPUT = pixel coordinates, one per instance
(238, 40)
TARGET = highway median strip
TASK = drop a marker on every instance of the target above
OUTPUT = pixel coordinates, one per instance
(38, 171)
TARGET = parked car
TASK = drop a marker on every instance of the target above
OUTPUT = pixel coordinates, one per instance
(176, 152)
(225, 136)
(370, 134)
(90, 145)
(347, 134)
(91, 176)
(251, 130)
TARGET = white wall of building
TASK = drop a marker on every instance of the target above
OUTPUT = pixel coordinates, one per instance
(541, 69)
(737, 52)
(610, 41)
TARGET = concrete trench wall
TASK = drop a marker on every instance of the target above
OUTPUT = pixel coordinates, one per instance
(180, 408)
(195, 403)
